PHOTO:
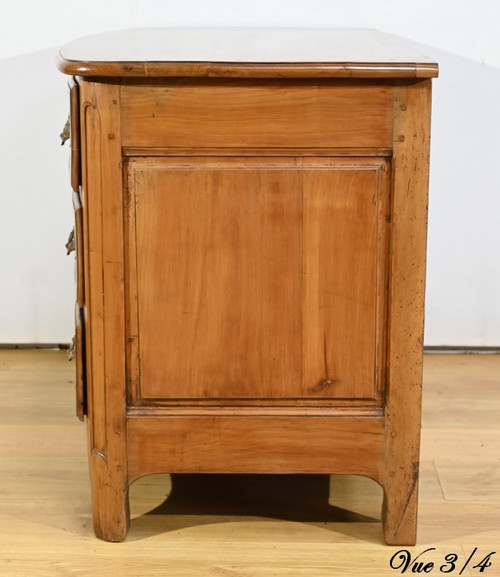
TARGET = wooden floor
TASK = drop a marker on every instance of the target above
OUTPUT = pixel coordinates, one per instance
(243, 526)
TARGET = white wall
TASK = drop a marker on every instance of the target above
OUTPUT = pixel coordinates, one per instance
(36, 278)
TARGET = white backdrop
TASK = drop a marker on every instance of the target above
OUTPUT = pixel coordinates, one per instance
(463, 288)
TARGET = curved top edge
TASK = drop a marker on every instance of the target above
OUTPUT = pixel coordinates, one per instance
(247, 70)
(244, 52)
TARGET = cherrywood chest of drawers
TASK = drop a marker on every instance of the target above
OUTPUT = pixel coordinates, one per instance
(251, 227)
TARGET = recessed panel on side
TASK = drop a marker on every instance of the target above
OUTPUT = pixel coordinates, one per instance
(218, 281)
(255, 279)
(345, 256)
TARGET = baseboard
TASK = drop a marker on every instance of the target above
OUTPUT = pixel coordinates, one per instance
(60, 346)
(461, 350)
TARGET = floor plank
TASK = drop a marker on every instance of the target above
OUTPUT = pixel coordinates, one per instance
(248, 526)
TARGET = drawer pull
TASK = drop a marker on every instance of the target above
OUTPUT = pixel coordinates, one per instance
(71, 244)
(65, 134)
(72, 349)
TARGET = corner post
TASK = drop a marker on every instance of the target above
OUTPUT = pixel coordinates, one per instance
(102, 201)
(406, 311)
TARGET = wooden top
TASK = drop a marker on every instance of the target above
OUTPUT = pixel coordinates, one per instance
(245, 53)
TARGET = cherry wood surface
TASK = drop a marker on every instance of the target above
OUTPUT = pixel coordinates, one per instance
(253, 270)
(74, 135)
(102, 200)
(238, 113)
(272, 444)
(406, 305)
(256, 294)
(245, 53)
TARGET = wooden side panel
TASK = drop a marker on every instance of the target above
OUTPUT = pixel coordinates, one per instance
(345, 243)
(218, 280)
(257, 278)
(406, 313)
(254, 445)
(232, 113)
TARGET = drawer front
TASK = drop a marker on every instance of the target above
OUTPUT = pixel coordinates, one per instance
(234, 114)
(79, 343)
(79, 249)
(75, 135)
(81, 392)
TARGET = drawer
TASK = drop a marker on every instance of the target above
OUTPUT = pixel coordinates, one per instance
(237, 113)
(81, 393)
(75, 135)
(79, 249)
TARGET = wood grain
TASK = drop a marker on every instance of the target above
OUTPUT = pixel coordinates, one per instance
(345, 275)
(361, 70)
(76, 169)
(80, 250)
(254, 313)
(248, 152)
(104, 282)
(272, 445)
(219, 317)
(232, 113)
(244, 52)
(80, 365)
(239, 287)
(406, 310)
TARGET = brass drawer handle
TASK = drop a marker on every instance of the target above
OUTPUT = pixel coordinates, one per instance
(65, 134)
(71, 244)
(72, 349)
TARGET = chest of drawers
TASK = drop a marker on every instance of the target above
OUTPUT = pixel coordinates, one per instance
(251, 227)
